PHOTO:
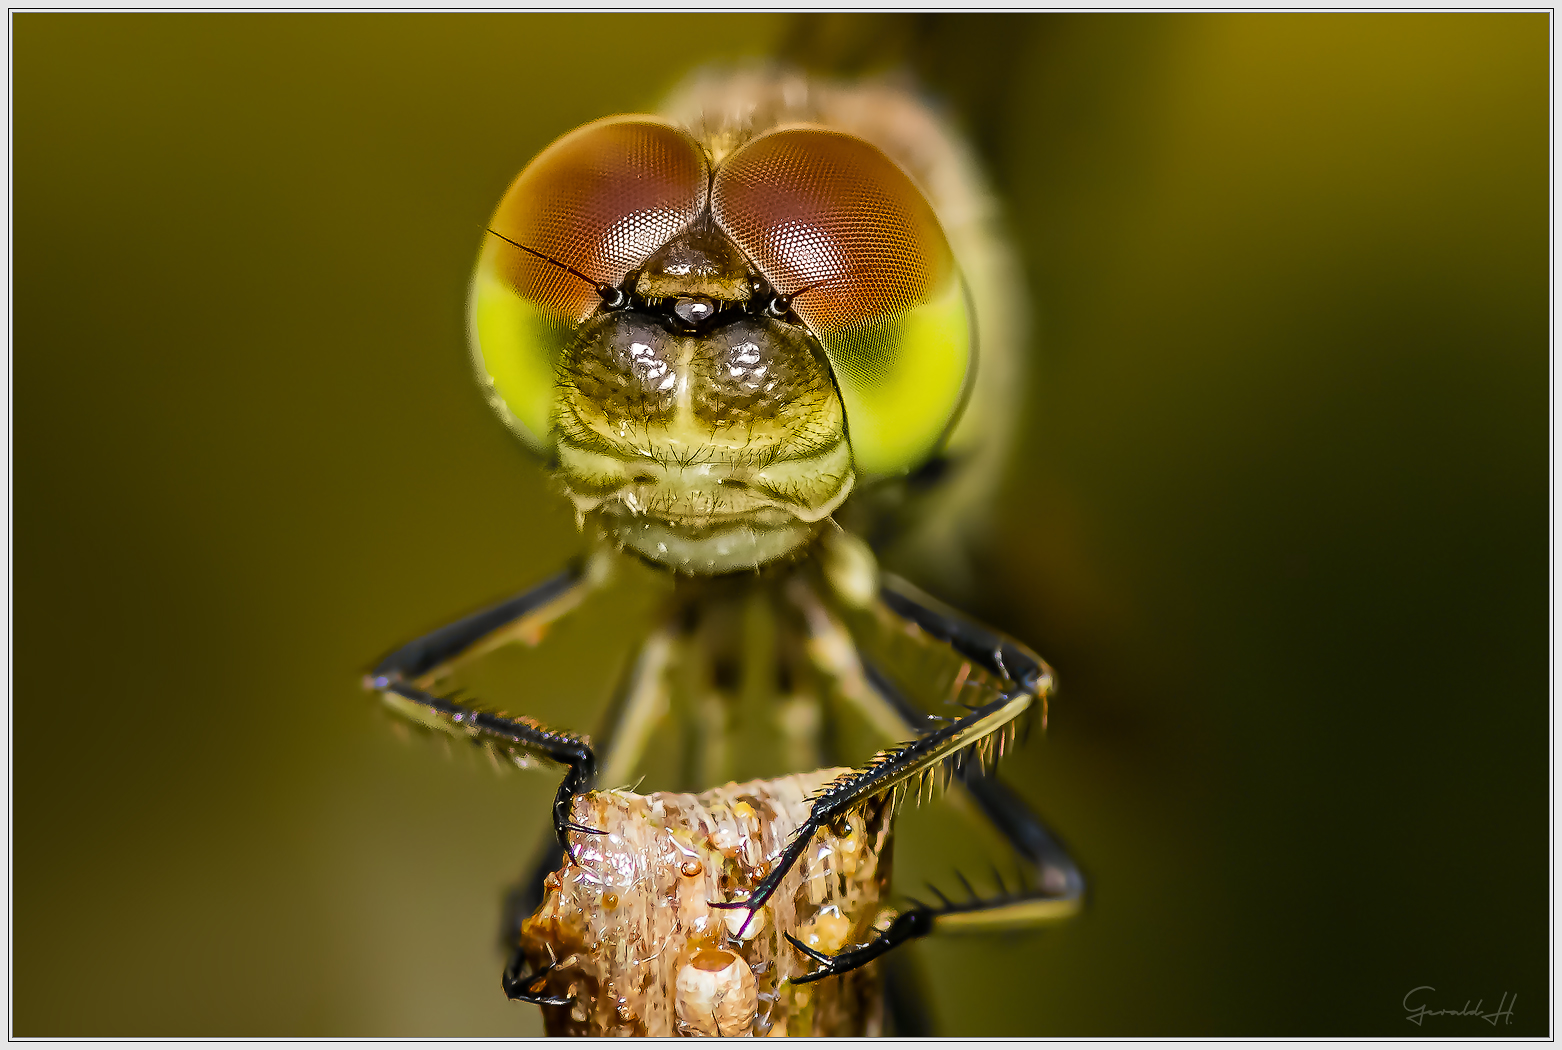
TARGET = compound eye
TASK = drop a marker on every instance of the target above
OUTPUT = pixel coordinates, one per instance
(843, 233)
(597, 203)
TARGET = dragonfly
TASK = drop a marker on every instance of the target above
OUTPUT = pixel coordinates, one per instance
(766, 340)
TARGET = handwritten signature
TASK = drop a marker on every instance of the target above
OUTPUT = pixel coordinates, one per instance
(1419, 1013)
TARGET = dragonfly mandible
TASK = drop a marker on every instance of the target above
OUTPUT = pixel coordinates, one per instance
(743, 334)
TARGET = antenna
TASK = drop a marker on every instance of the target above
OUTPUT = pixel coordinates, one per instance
(611, 297)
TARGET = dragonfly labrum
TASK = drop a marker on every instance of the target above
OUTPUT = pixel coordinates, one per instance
(763, 339)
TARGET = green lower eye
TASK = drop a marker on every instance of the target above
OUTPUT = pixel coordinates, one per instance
(514, 345)
(902, 379)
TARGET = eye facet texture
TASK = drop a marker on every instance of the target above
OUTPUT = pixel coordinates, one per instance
(832, 221)
(599, 200)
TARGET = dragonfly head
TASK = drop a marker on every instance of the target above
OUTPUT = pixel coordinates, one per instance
(712, 354)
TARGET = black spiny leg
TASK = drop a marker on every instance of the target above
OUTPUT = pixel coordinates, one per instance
(404, 676)
(1011, 680)
(917, 922)
(536, 741)
(531, 737)
(527, 987)
(1054, 871)
(1056, 889)
(638, 704)
(1057, 877)
(424, 658)
(890, 770)
(1060, 887)
(990, 650)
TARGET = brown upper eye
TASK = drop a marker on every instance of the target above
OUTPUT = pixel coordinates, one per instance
(599, 200)
(830, 219)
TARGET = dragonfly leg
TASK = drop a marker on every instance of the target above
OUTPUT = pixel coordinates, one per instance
(1059, 885)
(891, 770)
(995, 653)
(526, 735)
(525, 616)
(527, 987)
(909, 924)
(639, 703)
(404, 678)
(1053, 888)
(1014, 680)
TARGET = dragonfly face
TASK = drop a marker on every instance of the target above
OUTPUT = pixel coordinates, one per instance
(739, 333)
(714, 339)
(703, 432)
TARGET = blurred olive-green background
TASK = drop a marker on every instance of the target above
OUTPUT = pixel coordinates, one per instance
(1279, 520)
